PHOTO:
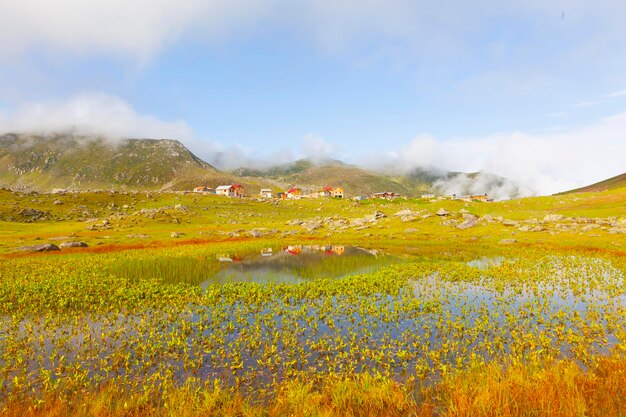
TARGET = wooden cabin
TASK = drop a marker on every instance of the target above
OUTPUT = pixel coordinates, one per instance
(234, 190)
(294, 193)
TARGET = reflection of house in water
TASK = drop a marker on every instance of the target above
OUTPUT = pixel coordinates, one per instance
(229, 258)
(294, 249)
(339, 249)
(327, 249)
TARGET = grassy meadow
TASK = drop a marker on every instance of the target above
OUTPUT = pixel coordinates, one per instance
(512, 308)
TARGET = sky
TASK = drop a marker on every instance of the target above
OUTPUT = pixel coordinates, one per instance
(527, 89)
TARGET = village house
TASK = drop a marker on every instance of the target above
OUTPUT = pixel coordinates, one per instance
(266, 193)
(387, 195)
(466, 198)
(294, 193)
(203, 189)
(234, 190)
(326, 192)
(337, 192)
(484, 198)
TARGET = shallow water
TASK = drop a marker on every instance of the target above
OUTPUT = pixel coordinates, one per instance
(435, 323)
(298, 263)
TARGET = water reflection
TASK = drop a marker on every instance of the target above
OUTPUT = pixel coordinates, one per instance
(297, 263)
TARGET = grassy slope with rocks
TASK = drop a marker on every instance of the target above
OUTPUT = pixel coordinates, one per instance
(43, 162)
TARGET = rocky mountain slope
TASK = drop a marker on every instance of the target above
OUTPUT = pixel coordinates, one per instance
(65, 160)
(42, 162)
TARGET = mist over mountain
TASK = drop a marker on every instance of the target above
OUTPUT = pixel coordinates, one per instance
(80, 161)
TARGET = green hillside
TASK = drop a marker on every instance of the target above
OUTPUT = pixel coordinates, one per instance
(42, 162)
(355, 180)
(613, 183)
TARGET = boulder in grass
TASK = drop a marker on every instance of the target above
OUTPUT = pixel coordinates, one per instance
(553, 218)
(471, 222)
(73, 245)
(508, 241)
(442, 212)
(46, 247)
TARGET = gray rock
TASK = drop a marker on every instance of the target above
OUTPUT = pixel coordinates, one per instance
(46, 247)
(468, 223)
(137, 236)
(553, 218)
(508, 241)
(511, 223)
(410, 230)
(406, 219)
(176, 234)
(442, 212)
(403, 213)
(73, 245)
(255, 233)
(57, 202)
(379, 215)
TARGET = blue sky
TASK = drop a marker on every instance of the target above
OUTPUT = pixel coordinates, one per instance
(386, 84)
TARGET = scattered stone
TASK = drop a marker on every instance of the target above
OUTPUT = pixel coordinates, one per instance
(463, 211)
(137, 236)
(57, 202)
(442, 212)
(34, 214)
(508, 241)
(590, 227)
(176, 234)
(73, 245)
(46, 247)
(471, 222)
(617, 231)
(379, 215)
(553, 218)
(511, 223)
(411, 230)
(255, 233)
(406, 219)
(403, 213)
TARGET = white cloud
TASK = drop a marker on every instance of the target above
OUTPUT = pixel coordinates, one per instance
(140, 28)
(113, 118)
(536, 163)
(621, 93)
(316, 148)
(97, 113)
(132, 28)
